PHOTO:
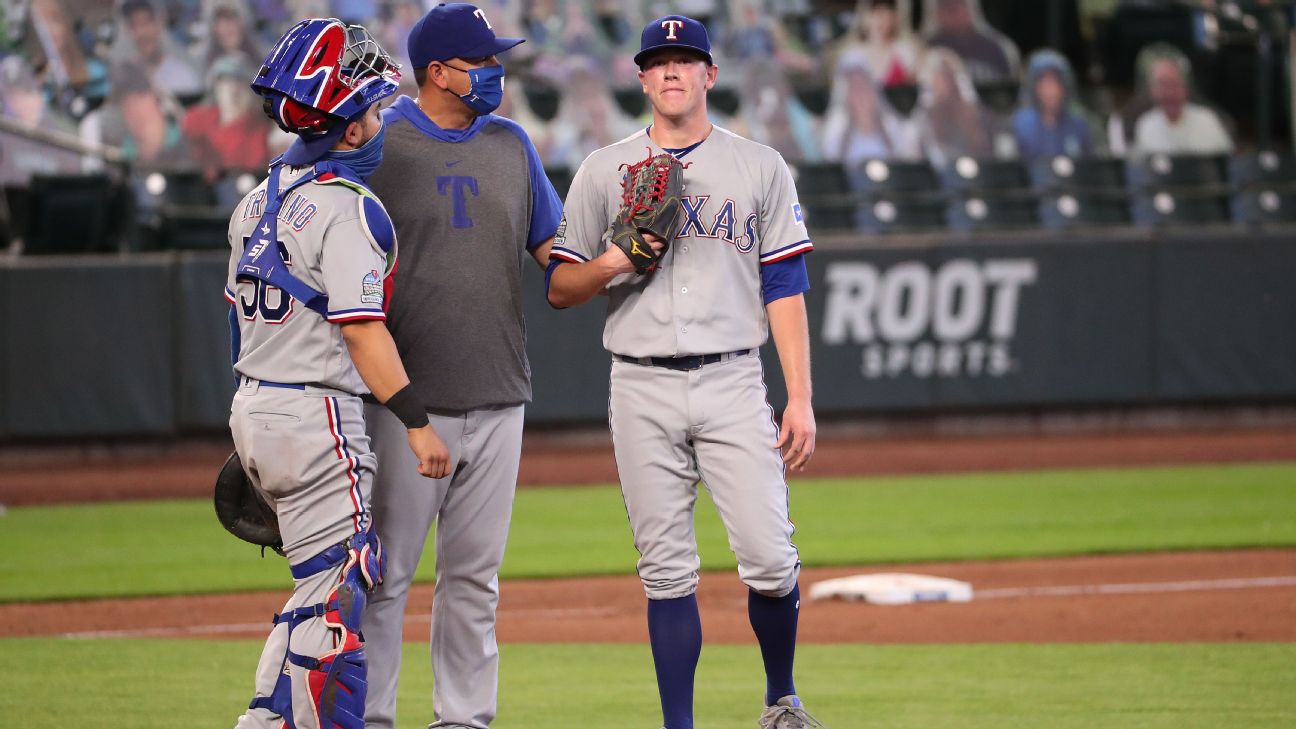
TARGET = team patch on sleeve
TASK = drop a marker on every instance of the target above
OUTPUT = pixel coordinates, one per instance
(560, 236)
(797, 215)
(371, 288)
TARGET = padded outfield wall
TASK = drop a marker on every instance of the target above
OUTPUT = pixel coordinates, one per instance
(137, 345)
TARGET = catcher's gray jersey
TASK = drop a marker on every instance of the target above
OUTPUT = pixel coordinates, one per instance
(740, 212)
(335, 238)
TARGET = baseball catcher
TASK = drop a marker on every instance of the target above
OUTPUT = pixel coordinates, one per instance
(310, 249)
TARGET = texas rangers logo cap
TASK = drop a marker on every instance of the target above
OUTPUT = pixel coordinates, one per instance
(454, 30)
(674, 31)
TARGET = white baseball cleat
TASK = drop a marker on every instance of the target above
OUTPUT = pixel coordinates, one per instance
(787, 713)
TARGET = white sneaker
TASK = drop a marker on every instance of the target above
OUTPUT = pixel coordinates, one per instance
(787, 713)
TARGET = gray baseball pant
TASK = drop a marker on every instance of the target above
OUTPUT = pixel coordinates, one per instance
(471, 509)
(672, 428)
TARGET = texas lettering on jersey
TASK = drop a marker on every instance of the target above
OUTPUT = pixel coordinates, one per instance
(700, 222)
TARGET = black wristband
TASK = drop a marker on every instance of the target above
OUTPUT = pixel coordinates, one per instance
(405, 405)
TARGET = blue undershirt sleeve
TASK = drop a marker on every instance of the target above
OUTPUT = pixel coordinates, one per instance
(784, 278)
(553, 264)
(235, 342)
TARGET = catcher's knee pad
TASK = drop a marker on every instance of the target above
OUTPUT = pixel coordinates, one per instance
(338, 683)
(337, 680)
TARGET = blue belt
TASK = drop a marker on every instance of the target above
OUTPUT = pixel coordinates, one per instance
(268, 383)
(683, 363)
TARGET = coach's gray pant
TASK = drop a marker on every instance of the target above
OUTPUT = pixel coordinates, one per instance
(471, 509)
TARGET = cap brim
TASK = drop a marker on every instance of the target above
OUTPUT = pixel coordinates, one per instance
(492, 48)
(643, 54)
(305, 152)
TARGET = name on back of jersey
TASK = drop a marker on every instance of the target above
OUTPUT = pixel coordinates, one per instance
(297, 211)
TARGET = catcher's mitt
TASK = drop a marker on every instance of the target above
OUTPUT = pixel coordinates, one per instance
(650, 203)
(242, 511)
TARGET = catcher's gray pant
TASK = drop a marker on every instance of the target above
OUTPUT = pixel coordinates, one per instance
(471, 509)
(308, 452)
(670, 428)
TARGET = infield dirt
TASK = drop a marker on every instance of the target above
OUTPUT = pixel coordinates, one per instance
(1196, 596)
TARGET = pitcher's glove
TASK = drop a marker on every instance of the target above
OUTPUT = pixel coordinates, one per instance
(650, 203)
(242, 511)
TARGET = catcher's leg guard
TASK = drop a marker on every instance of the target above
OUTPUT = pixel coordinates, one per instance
(336, 680)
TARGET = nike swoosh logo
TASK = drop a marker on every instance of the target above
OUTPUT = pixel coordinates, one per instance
(452, 164)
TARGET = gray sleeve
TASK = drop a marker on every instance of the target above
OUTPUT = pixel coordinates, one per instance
(783, 231)
(585, 218)
(353, 269)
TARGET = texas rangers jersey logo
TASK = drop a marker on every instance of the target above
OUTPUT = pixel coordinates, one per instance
(723, 225)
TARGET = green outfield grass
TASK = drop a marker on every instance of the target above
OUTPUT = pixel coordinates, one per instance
(147, 684)
(177, 547)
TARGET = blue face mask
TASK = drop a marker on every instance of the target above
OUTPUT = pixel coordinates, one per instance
(364, 159)
(487, 90)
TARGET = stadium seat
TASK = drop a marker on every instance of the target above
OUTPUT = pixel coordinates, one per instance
(972, 175)
(560, 178)
(1265, 205)
(999, 96)
(902, 97)
(187, 188)
(725, 101)
(1166, 207)
(882, 176)
(899, 197)
(1179, 190)
(194, 228)
(1078, 173)
(1161, 170)
(1080, 192)
(901, 215)
(825, 195)
(72, 214)
(1264, 187)
(1081, 209)
(814, 98)
(632, 101)
(1263, 168)
(993, 212)
(543, 100)
(989, 194)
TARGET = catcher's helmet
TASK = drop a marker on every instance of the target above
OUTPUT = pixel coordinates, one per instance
(323, 71)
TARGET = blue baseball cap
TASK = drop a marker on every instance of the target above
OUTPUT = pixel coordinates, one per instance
(674, 31)
(454, 30)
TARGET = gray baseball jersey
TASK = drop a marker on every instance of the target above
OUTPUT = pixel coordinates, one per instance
(740, 211)
(672, 426)
(279, 339)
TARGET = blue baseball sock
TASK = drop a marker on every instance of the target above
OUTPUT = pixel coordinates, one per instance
(675, 631)
(774, 620)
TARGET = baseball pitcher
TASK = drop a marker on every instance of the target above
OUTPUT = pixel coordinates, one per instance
(697, 238)
(311, 248)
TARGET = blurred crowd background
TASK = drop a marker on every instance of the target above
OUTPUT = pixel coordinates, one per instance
(842, 83)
